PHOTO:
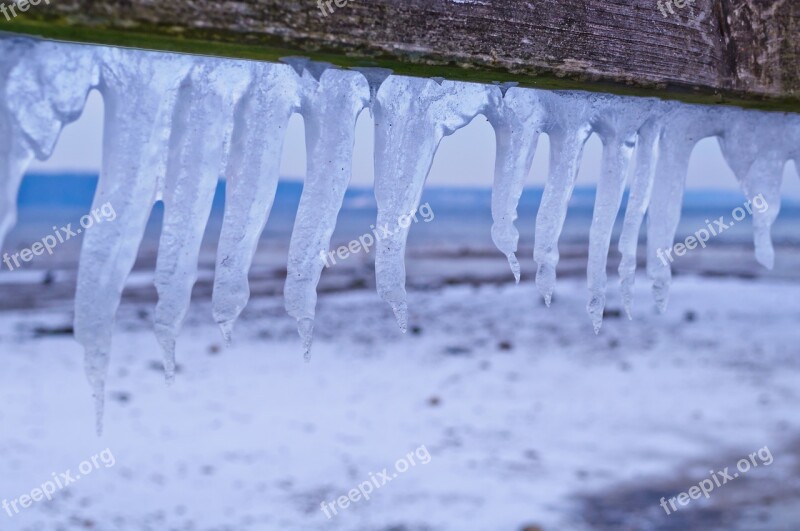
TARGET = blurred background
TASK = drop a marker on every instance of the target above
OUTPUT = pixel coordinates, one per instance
(532, 421)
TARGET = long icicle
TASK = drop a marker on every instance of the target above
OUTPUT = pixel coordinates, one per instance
(412, 116)
(139, 93)
(618, 131)
(517, 123)
(684, 126)
(200, 138)
(569, 129)
(616, 157)
(252, 179)
(639, 195)
(330, 114)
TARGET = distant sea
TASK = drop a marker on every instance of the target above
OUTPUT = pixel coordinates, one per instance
(462, 215)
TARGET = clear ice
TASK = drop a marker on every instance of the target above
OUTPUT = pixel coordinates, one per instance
(175, 124)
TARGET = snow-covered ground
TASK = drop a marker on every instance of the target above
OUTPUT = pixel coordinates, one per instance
(531, 421)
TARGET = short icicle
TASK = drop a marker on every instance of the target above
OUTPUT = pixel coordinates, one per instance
(756, 146)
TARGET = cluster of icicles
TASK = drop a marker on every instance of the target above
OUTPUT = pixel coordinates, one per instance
(175, 123)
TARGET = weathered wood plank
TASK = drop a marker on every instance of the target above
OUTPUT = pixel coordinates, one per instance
(745, 52)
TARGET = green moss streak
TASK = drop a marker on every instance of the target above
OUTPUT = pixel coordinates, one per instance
(266, 48)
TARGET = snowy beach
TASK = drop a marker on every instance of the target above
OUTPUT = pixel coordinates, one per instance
(531, 421)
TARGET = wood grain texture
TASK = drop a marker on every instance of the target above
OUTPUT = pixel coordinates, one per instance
(719, 50)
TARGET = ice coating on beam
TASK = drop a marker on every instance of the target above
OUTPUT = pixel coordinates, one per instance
(412, 115)
(202, 126)
(260, 123)
(139, 93)
(330, 109)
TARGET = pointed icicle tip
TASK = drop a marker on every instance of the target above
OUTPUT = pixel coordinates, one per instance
(661, 295)
(596, 307)
(305, 328)
(626, 286)
(515, 268)
(226, 329)
(628, 310)
(765, 252)
(167, 342)
(401, 314)
(169, 371)
(98, 393)
(545, 281)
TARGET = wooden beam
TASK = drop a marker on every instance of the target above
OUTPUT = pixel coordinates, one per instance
(743, 52)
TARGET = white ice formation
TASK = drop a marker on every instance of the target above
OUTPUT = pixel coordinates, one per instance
(175, 123)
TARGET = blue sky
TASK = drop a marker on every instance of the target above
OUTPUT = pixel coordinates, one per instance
(466, 158)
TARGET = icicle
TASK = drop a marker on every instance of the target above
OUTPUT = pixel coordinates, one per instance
(260, 126)
(15, 154)
(756, 147)
(684, 126)
(517, 123)
(139, 92)
(46, 86)
(330, 111)
(411, 118)
(617, 122)
(638, 200)
(568, 128)
(44, 92)
(200, 138)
